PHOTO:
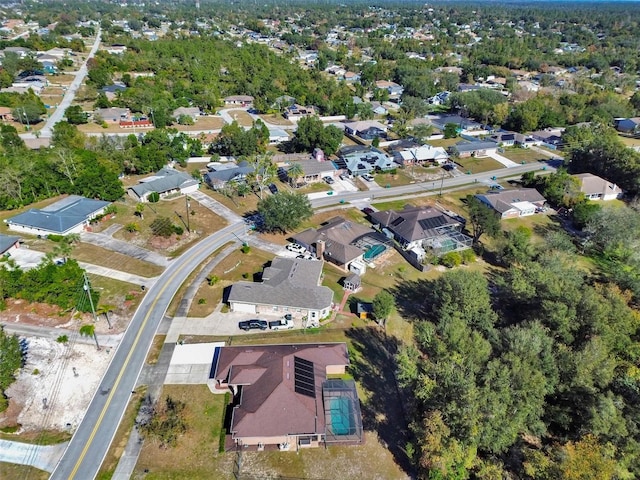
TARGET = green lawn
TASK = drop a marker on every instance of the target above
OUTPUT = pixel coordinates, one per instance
(523, 155)
(478, 165)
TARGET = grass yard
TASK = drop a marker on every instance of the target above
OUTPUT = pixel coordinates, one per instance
(524, 155)
(397, 179)
(242, 117)
(89, 253)
(11, 470)
(239, 205)
(445, 142)
(478, 165)
(201, 223)
(117, 293)
(275, 119)
(231, 269)
(111, 128)
(196, 455)
(629, 141)
(314, 187)
(208, 122)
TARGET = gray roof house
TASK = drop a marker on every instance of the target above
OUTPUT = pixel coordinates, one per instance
(288, 285)
(69, 215)
(220, 174)
(314, 171)
(166, 182)
(514, 203)
(8, 243)
(474, 149)
(193, 112)
(112, 114)
(366, 129)
(597, 188)
(422, 229)
(359, 160)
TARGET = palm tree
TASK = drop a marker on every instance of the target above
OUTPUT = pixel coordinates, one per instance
(294, 173)
(89, 330)
(105, 309)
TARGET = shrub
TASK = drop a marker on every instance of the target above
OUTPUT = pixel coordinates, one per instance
(132, 227)
(162, 227)
(245, 248)
(55, 238)
(202, 301)
(451, 259)
(111, 209)
(468, 256)
(35, 372)
(177, 229)
(245, 275)
(62, 339)
(128, 297)
(213, 279)
(153, 197)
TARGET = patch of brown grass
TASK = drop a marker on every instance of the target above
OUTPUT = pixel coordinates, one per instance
(196, 454)
(203, 123)
(154, 351)
(242, 117)
(12, 470)
(86, 252)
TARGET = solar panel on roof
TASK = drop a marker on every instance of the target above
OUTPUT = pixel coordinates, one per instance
(304, 381)
(430, 223)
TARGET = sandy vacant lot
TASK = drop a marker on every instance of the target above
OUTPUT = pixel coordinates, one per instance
(49, 374)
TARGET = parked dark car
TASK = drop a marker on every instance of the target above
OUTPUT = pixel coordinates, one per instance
(247, 325)
(272, 188)
(368, 210)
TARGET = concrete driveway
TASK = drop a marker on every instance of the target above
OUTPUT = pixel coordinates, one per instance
(39, 456)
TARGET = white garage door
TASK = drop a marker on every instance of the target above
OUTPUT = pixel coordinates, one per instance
(243, 307)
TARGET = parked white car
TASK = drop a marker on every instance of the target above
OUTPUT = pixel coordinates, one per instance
(295, 247)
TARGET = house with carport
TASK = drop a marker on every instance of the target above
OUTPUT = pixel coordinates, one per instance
(289, 285)
(288, 397)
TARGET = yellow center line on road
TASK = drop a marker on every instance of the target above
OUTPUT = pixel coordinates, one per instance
(126, 363)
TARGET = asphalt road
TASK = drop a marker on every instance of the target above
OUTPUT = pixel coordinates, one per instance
(432, 187)
(70, 94)
(91, 441)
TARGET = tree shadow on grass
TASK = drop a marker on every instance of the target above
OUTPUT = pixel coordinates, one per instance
(373, 366)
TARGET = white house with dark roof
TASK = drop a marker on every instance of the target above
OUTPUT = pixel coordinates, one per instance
(420, 154)
(514, 203)
(289, 285)
(597, 188)
(69, 215)
(474, 149)
(166, 182)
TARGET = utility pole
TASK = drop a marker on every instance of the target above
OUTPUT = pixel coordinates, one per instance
(87, 288)
(26, 118)
(188, 205)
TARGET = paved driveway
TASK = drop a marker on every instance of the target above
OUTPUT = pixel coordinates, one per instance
(503, 160)
(39, 456)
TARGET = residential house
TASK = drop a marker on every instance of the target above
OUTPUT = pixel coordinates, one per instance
(112, 114)
(422, 230)
(597, 188)
(351, 77)
(360, 160)
(419, 154)
(116, 49)
(313, 170)
(289, 285)
(352, 282)
(22, 52)
(295, 111)
(464, 124)
(364, 310)
(69, 215)
(474, 149)
(8, 243)
(193, 112)
(111, 91)
(342, 242)
(627, 125)
(514, 203)
(551, 137)
(366, 129)
(165, 182)
(282, 395)
(240, 100)
(277, 135)
(505, 139)
(220, 174)
(395, 91)
(440, 98)
(378, 108)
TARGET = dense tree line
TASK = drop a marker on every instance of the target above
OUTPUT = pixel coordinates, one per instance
(10, 362)
(534, 374)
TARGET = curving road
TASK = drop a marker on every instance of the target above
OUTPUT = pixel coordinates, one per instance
(90, 443)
